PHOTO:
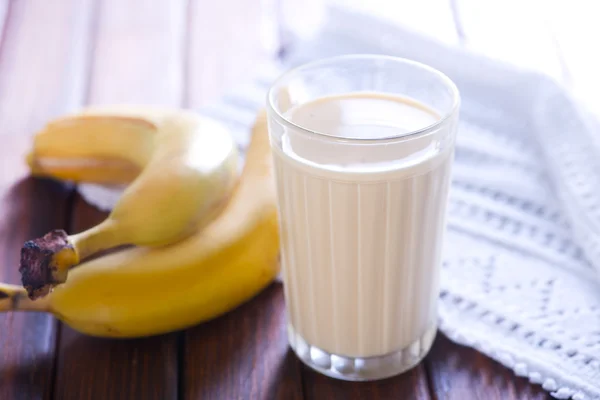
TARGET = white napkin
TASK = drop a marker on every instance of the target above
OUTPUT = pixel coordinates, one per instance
(518, 279)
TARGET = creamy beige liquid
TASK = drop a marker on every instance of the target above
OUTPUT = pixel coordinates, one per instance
(362, 225)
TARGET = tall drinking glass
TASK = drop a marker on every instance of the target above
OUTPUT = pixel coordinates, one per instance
(362, 147)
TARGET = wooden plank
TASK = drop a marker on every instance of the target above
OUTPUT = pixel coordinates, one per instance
(139, 53)
(461, 373)
(138, 58)
(4, 9)
(28, 208)
(226, 47)
(96, 368)
(408, 386)
(510, 30)
(243, 354)
(34, 85)
(43, 68)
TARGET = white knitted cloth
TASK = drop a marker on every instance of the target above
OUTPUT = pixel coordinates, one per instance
(518, 279)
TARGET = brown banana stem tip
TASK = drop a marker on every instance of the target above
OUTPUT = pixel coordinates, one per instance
(39, 268)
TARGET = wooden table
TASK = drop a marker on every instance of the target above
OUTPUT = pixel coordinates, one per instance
(58, 55)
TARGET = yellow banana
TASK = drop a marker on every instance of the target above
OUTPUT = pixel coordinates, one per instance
(182, 169)
(144, 291)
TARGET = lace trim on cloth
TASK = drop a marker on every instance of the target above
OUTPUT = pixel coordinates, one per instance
(524, 215)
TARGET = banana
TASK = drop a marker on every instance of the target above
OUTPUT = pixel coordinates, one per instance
(181, 167)
(147, 291)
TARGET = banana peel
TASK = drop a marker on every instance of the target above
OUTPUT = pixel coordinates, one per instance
(180, 168)
(147, 291)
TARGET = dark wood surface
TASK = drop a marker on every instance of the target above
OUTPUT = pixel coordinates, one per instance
(96, 368)
(411, 385)
(243, 354)
(58, 55)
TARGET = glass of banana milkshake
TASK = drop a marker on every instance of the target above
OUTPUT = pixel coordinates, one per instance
(363, 146)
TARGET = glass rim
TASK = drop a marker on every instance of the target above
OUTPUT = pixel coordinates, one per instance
(328, 60)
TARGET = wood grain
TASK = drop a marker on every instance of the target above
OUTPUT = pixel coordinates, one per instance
(29, 208)
(461, 373)
(227, 45)
(4, 9)
(43, 65)
(35, 84)
(139, 52)
(95, 368)
(410, 385)
(243, 354)
(137, 58)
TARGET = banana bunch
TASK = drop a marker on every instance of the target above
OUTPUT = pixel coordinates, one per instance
(230, 256)
(180, 168)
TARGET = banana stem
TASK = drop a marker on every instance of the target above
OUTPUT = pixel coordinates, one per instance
(45, 261)
(101, 237)
(15, 298)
